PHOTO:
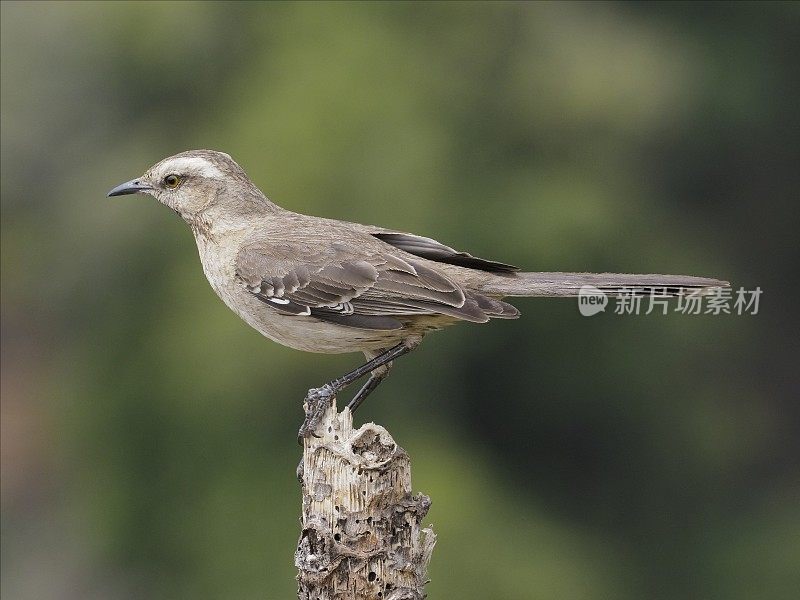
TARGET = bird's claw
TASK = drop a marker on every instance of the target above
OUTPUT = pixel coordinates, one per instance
(317, 401)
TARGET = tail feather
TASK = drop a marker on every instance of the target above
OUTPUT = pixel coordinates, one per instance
(569, 284)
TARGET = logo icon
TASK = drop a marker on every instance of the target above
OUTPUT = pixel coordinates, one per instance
(591, 300)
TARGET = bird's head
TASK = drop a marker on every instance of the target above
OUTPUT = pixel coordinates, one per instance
(190, 182)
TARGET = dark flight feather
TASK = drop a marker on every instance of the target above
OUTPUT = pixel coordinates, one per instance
(435, 251)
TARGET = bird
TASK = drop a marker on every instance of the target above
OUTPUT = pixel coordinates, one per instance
(328, 286)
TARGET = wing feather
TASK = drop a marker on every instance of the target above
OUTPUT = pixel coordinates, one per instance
(432, 250)
(358, 288)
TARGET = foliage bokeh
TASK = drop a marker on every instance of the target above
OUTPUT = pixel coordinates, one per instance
(148, 434)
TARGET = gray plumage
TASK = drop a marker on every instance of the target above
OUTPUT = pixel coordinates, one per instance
(323, 285)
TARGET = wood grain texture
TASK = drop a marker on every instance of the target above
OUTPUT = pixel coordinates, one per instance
(362, 534)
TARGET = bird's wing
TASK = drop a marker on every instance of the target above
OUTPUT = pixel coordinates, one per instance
(432, 250)
(353, 286)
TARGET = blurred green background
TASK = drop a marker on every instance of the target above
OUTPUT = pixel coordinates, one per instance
(148, 436)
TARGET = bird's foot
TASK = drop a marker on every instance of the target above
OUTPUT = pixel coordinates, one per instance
(317, 401)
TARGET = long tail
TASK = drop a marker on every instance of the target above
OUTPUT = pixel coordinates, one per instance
(569, 284)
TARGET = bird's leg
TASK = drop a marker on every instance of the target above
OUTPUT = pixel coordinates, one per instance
(375, 378)
(319, 399)
(384, 357)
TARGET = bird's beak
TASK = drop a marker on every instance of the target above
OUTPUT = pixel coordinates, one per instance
(134, 186)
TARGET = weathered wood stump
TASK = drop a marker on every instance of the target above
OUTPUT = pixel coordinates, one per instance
(362, 536)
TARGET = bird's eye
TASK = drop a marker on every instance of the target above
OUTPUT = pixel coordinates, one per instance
(172, 181)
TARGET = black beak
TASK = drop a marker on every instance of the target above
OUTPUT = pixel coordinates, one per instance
(129, 187)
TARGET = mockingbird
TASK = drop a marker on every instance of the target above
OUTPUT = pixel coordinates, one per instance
(322, 285)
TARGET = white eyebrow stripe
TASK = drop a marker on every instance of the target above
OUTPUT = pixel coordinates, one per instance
(193, 165)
